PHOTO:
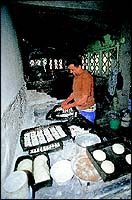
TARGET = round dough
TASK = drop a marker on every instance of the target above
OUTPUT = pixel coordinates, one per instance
(118, 148)
(107, 166)
(61, 171)
(99, 155)
(128, 158)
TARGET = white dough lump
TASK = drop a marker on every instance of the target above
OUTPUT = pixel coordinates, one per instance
(41, 169)
(118, 148)
(107, 166)
(99, 155)
(128, 158)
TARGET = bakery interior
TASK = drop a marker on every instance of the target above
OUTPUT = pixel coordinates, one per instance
(37, 38)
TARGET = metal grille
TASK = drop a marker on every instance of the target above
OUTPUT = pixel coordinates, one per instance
(100, 63)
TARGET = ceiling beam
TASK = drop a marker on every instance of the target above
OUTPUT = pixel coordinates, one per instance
(86, 5)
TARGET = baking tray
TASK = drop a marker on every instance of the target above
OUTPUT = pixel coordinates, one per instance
(121, 166)
(44, 135)
(73, 117)
(30, 174)
(58, 113)
(44, 183)
(25, 168)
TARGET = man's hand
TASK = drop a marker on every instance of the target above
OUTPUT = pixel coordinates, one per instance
(66, 106)
(64, 103)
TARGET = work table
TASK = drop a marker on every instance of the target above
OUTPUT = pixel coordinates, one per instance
(73, 189)
(38, 106)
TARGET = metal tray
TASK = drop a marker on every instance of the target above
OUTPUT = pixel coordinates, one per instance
(44, 183)
(57, 113)
(42, 138)
(30, 174)
(121, 166)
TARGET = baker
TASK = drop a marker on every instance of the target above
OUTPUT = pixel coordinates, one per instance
(82, 91)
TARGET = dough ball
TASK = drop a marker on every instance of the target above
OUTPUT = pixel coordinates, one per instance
(107, 166)
(128, 158)
(118, 148)
(99, 155)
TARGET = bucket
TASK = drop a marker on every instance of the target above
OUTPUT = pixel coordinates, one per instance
(114, 124)
(16, 186)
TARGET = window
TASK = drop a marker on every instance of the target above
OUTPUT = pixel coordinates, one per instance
(100, 63)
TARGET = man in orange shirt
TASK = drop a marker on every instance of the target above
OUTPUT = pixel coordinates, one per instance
(82, 91)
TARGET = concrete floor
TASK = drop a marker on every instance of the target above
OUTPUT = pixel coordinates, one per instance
(116, 189)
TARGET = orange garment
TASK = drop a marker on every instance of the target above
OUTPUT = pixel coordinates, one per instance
(84, 85)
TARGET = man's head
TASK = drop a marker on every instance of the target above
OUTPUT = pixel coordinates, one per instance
(75, 66)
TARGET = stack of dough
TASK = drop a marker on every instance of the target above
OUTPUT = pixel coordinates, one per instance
(27, 140)
(41, 169)
(55, 133)
(41, 137)
(25, 164)
(48, 135)
(60, 131)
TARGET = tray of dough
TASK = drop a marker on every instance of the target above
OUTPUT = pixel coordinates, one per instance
(25, 163)
(58, 113)
(37, 168)
(112, 158)
(41, 171)
(47, 136)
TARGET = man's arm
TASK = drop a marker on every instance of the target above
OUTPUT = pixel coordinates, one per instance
(75, 103)
(64, 103)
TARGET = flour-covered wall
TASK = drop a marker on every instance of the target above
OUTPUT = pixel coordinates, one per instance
(11, 62)
(13, 93)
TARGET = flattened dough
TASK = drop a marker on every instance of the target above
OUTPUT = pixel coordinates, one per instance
(118, 148)
(108, 167)
(128, 158)
(99, 155)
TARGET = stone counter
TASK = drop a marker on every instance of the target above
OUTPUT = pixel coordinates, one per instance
(38, 106)
(74, 189)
